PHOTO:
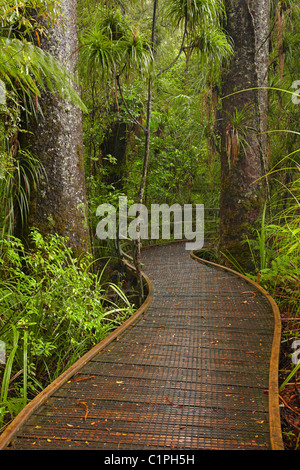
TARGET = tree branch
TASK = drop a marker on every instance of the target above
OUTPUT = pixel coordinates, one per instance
(180, 50)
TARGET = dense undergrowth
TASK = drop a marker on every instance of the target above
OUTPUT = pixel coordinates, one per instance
(275, 249)
(54, 308)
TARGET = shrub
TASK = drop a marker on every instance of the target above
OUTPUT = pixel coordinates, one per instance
(53, 309)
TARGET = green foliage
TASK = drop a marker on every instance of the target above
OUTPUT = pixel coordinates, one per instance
(238, 123)
(25, 68)
(136, 52)
(283, 112)
(17, 17)
(53, 309)
(16, 187)
(98, 54)
(278, 246)
(182, 152)
(213, 43)
(197, 12)
(111, 45)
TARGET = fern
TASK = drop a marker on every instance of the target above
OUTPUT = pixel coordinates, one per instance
(28, 68)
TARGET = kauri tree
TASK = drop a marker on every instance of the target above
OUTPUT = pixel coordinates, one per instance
(242, 125)
(59, 205)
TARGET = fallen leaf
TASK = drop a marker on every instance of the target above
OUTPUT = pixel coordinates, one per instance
(173, 404)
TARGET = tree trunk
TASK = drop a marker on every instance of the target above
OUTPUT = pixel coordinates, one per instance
(59, 206)
(243, 119)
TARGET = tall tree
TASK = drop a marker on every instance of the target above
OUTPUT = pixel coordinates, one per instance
(59, 205)
(243, 119)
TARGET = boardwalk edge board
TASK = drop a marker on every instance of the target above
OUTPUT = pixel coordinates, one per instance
(12, 429)
(273, 392)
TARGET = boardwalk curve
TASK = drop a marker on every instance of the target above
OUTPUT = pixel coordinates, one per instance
(195, 368)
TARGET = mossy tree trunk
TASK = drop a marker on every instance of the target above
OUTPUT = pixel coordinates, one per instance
(59, 206)
(243, 119)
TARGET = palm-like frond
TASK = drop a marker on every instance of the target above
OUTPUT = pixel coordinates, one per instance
(98, 54)
(136, 52)
(29, 68)
(212, 44)
(114, 24)
(196, 12)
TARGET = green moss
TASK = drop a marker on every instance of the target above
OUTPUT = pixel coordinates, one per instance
(247, 204)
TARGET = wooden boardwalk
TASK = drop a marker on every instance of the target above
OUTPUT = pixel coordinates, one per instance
(196, 370)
